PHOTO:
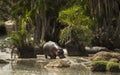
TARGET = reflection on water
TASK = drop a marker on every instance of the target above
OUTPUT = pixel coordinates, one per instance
(36, 67)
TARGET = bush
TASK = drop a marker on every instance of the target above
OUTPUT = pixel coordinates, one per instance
(78, 25)
(113, 67)
(2, 29)
(99, 66)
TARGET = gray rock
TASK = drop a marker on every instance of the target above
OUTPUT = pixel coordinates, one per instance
(95, 49)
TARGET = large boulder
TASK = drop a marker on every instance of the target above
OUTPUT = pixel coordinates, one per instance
(107, 56)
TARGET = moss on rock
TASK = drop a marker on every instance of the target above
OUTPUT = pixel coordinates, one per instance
(99, 66)
(113, 67)
(102, 66)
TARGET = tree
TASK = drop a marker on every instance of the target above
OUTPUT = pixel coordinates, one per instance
(5, 6)
(42, 14)
(78, 24)
(77, 31)
(21, 12)
(106, 14)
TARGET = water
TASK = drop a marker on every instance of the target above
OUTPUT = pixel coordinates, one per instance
(36, 67)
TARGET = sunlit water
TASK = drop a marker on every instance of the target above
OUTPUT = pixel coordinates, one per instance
(36, 67)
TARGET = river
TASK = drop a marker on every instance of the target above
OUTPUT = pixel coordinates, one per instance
(36, 67)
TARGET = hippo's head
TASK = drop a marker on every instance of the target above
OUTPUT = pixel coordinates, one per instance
(61, 53)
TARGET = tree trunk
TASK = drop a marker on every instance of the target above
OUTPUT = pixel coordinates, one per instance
(76, 48)
(106, 15)
(37, 30)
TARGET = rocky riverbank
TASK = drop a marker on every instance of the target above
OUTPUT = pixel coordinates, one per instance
(84, 61)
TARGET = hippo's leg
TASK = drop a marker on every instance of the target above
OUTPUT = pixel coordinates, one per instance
(52, 57)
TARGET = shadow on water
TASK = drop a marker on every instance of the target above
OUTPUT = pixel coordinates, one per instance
(36, 67)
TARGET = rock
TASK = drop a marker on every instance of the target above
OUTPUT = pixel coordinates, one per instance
(114, 60)
(98, 66)
(117, 50)
(107, 56)
(113, 67)
(2, 61)
(61, 63)
(80, 60)
(95, 49)
(85, 62)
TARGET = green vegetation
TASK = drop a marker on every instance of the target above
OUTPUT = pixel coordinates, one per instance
(78, 25)
(21, 39)
(85, 22)
(101, 66)
(113, 67)
(2, 29)
(106, 17)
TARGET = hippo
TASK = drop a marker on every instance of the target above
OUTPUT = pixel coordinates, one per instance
(51, 49)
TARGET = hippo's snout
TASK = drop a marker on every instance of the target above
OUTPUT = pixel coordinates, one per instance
(61, 54)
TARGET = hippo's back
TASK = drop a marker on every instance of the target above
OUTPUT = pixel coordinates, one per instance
(49, 46)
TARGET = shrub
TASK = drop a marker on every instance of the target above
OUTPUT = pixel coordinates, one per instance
(99, 66)
(78, 25)
(2, 29)
(113, 67)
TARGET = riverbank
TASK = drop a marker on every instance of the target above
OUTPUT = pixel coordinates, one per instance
(35, 66)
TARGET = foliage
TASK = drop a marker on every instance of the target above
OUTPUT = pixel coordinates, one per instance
(22, 37)
(21, 12)
(78, 24)
(2, 28)
(99, 66)
(107, 18)
(42, 42)
(2, 23)
(105, 66)
(113, 67)
(17, 38)
(5, 6)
